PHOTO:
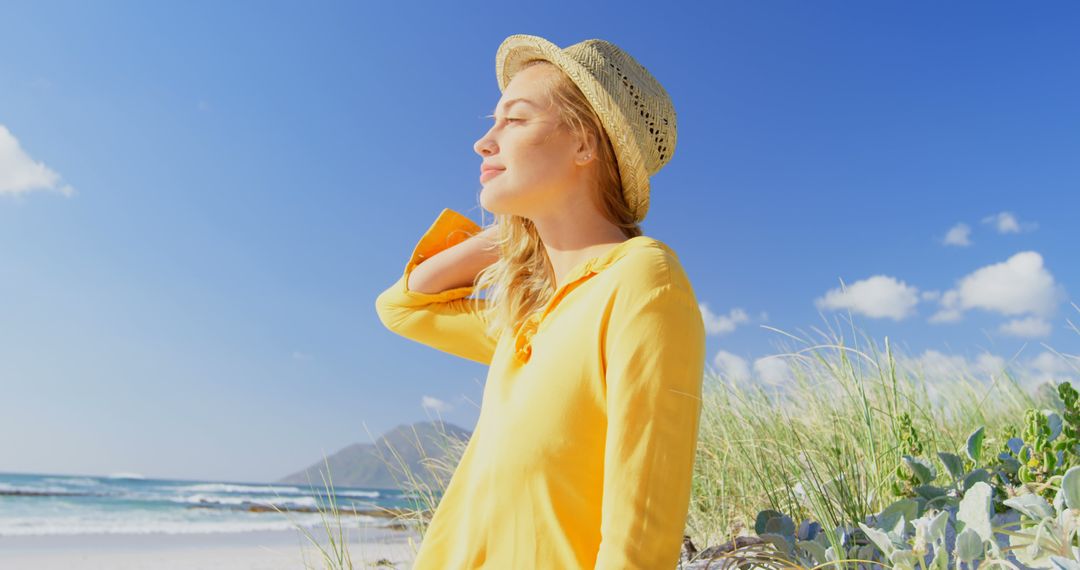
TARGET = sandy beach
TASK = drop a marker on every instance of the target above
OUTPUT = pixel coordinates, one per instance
(263, 550)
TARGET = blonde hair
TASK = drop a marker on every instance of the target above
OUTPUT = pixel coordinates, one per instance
(522, 281)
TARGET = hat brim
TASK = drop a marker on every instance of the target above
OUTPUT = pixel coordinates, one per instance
(518, 49)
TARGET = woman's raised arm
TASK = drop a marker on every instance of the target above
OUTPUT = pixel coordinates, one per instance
(429, 303)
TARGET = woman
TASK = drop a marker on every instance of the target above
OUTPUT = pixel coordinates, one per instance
(584, 450)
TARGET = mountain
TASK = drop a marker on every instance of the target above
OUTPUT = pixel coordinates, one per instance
(375, 465)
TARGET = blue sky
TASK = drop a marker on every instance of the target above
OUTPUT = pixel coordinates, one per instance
(200, 202)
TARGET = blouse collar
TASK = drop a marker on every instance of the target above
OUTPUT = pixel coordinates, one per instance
(586, 268)
(597, 263)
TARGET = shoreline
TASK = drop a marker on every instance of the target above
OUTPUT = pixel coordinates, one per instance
(247, 550)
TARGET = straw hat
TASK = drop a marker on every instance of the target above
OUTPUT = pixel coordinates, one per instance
(634, 108)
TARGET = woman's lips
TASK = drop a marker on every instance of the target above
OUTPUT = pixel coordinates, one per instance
(490, 173)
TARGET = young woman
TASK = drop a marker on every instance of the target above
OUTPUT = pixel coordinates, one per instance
(584, 450)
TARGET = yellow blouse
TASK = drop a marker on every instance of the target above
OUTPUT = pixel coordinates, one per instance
(583, 453)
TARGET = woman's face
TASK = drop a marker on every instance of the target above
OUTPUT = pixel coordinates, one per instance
(537, 155)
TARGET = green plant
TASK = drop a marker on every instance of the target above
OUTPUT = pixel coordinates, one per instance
(912, 470)
(1069, 443)
(338, 555)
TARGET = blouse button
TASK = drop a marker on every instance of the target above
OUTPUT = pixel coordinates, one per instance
(524, 340)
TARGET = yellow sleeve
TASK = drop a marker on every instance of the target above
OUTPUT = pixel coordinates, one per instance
(447, 320)
(655, 361)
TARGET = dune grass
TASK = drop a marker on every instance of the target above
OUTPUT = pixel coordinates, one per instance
(335, 554)
(825, 446)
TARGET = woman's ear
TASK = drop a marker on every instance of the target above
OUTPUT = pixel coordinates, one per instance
(587, 151)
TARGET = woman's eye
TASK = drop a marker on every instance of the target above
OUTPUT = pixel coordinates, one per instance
(507, 119)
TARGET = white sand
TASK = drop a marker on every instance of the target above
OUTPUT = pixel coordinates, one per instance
(265, 550)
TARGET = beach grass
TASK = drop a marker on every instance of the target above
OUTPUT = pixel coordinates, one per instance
(823, 444)
(334, 552)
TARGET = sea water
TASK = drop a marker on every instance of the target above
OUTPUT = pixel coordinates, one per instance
(43, 504)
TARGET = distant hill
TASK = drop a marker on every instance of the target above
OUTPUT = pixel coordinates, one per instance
(360, 464)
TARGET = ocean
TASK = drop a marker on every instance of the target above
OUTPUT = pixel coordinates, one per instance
(44, 504)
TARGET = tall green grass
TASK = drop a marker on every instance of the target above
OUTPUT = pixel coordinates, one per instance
(825, 446)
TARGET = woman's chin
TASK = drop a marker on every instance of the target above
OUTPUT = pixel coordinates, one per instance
(492, 203)
(507, 202)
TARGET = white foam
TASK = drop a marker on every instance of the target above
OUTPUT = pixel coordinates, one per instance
(39, 526)
(364, 494)
(34, 488)
(124, 507)
(81, 481)
(230, 488)
(200, 499)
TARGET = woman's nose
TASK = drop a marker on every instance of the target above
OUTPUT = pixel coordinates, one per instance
(483, 146)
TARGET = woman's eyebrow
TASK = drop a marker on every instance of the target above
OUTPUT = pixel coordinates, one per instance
(509, 103)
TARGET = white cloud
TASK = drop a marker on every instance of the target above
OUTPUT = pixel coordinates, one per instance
(1018, 285)
(721, 324)
(1050, 367)
(731, 366)
(989, 364)
(1028, 373)
(773, 370)
(939, 371)
(879, 296)
(950, 311)
(959, 235)
(1030, 327)
(434, 404)
(19, 173)
(1048, 363)
(935, 365)
(1006, 223)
